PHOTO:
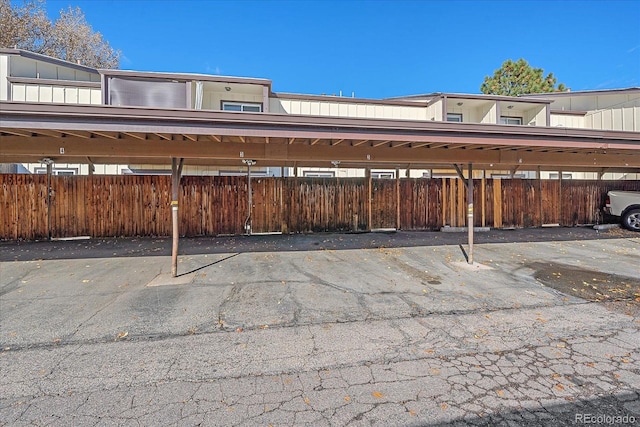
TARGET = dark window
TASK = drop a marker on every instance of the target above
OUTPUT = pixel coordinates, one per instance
(454, 117)
(242, 106)
(510, 120)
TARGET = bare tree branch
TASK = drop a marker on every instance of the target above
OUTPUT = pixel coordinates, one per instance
(70, 37)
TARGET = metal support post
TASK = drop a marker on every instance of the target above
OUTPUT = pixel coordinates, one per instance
(176, 172)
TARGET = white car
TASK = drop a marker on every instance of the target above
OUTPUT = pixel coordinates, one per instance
(626, 205)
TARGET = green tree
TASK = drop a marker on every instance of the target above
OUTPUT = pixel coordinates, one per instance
(26, 26)
(518, 78)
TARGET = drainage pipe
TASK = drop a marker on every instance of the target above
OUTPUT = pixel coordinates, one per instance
(247, 222)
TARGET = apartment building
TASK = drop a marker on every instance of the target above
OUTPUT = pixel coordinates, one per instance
(32, 78)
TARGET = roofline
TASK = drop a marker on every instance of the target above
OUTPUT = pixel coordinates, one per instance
(333, 98)
(588, 92)
(54, 82)
(424, 95)
(115, 134)
(203, 120)
(46, 58)
(186, 76)
(570, 112)
(432, 97)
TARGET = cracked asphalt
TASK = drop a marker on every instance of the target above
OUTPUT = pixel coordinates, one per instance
(323, 330)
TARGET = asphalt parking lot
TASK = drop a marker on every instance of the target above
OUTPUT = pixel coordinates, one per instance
(323, 329)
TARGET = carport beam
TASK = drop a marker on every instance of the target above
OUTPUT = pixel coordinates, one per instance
(176, 172)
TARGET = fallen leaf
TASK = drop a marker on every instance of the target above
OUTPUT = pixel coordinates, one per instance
(121, 335)
(500, 393)
(559, 387)
(347, 399)
(412, 413)
(616, 376)
(377, 395)
(444, 406)
(435, 371)
(306, 400)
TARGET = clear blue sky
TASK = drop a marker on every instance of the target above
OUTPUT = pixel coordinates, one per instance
(376, 49)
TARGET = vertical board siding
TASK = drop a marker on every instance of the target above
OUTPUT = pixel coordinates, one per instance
(383, 203)
(550, 202)
(139, 205)
(582, 199)
(323, 204)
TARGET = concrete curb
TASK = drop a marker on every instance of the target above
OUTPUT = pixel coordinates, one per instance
(448, 229)
(605, 226)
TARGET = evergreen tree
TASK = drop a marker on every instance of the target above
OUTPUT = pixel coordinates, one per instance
(518, 78)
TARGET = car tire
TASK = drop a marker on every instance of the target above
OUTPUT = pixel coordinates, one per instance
(631, 219)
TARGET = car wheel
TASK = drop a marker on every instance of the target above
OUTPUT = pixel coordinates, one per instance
(631, 220)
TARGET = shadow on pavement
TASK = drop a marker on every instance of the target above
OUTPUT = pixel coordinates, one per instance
(148, 246)
(611, 410)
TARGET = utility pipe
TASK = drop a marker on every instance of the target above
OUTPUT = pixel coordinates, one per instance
(247, 222)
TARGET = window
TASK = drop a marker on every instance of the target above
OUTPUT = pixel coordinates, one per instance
(254, 173)
(565, 175)
(444, 175)
(510, 120)
(57, 171)
(383, 174)
(241, 106)
(319, 174)
(508, 176)
(454, 117)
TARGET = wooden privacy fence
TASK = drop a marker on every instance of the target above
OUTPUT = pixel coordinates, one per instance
(139, 205)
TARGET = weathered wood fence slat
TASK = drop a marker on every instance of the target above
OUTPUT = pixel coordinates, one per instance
(139, 205)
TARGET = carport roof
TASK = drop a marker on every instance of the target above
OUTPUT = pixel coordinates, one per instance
(108, 134)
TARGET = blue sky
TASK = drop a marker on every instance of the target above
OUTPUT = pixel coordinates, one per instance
(376, 49)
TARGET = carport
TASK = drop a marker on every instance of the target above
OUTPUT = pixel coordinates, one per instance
(107, 134)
